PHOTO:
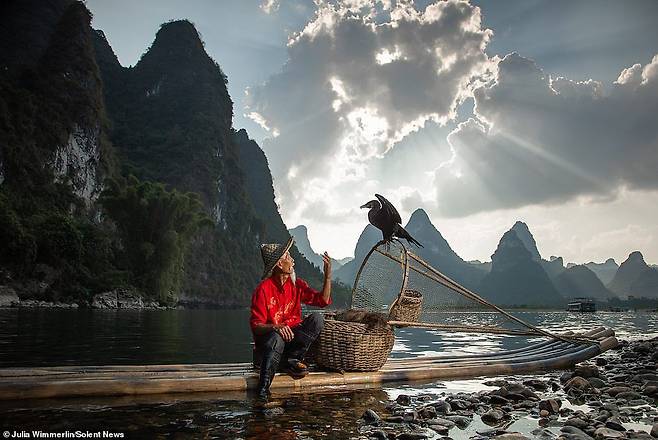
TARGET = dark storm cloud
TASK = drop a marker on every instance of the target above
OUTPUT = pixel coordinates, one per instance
(537, 140)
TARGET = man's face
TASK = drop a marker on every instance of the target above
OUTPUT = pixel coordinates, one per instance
(286, 263)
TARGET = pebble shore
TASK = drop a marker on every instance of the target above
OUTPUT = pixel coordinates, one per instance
(613, 396)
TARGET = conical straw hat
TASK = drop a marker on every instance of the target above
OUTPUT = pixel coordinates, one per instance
(272, 253)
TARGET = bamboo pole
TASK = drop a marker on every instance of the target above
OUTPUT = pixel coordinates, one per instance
(111, 385)
(465, 328)
(458, 288)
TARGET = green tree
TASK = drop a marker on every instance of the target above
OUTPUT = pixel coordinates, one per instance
(156, 226)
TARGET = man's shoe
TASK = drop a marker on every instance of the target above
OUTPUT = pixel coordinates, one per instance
(296, 368)
(262, 397)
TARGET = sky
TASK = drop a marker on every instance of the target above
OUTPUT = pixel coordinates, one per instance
(481, 113)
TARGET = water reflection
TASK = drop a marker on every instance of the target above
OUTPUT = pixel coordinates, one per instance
(45, 337)
(296, 416)
(413, 342)
(40, 337)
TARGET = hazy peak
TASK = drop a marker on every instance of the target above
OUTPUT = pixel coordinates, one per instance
(420, 216)
(300, 228)
(635, 256)
(524, 234)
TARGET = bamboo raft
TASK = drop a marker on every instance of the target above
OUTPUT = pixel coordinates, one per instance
(131, 380)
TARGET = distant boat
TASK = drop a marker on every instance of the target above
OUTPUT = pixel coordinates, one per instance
(581, 305)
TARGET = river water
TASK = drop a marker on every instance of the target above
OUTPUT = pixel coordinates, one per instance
(49, 337)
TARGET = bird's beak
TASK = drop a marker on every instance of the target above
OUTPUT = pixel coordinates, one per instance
(364, 206)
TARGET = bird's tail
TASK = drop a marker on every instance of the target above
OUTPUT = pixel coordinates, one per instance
(402, 233)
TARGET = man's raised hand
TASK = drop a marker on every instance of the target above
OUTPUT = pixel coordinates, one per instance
(327, 264)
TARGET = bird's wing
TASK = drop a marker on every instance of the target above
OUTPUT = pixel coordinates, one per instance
(389, 209)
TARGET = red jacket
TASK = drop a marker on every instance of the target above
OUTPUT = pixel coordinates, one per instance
(274, 304)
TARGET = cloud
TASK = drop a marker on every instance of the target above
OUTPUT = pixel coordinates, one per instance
(270, 6)
(361, 76)
(536, 139)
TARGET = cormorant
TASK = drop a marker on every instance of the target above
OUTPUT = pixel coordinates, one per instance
(386, 218)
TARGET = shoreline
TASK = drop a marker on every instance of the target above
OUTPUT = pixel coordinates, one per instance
(613, 397)
(585, 402)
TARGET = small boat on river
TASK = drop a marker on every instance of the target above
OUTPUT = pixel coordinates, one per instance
(581, 305)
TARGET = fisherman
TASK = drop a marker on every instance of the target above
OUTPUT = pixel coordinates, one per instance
(276, 322)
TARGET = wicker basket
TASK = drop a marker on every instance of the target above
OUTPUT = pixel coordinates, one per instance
(407, 307)
(351, 346)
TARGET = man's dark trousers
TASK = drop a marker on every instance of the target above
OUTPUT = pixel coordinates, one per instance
(274, 348)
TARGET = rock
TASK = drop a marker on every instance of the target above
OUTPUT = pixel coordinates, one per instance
(403, 399)
(493, 416)
(370, 417)
(440, 429)
(273, 412)
(47, 304)
(511, 436)
(586, 371)
(573, 433)
(411, 436)
(537, 384)
(636, 402)
(650, 390)
(596, 382)
(153, 305)
(443, 407)
(527, 392)
(428, 412)
(8, 297)
(440, 421)
(393, 419)
(643, 347)
(129, 299)
(542, 433)
(614, 424)
(627, 395)
(410, 416)
(605, 433)
(576, 423)
(647, 377)
(519, 388)
(600, 361)
(654, 430)
(120, 298)
(107, 300)
(613, 391)
(459, 404)
(461, 421)
(552, 406)
(498, 400)
(611, 408)
(379, 435)
(544, 413)
(566, 376)
(578, 383)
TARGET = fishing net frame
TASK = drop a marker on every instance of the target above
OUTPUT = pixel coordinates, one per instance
(390, 269)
